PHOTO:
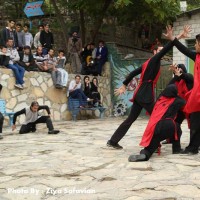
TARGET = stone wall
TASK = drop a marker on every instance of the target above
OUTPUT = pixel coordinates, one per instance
(189, 18)
(39, 86)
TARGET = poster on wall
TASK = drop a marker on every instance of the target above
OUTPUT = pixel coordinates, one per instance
(120, 69)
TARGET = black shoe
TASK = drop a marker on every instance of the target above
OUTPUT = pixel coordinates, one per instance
(54, 132)
(189, 152)
(177, 151)
(58, 86)
(1, 137)
(33, 130)
(137, 158)
(115, 146)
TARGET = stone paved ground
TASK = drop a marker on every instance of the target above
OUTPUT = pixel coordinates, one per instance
(76, 165)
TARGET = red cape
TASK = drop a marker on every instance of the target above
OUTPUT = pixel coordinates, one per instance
(159, 110)
(182, 89)
(184, 93)
(193, 102)
(144, 67)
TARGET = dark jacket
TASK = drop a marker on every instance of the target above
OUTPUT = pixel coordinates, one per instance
(46, 39)
(5, 34)
(4, 60)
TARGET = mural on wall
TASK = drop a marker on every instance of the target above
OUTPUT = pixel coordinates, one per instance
(120, 69)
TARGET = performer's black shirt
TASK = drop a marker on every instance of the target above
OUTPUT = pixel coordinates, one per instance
(184, 50)
(144, 93)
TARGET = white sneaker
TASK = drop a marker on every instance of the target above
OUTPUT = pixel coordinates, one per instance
(19, 86)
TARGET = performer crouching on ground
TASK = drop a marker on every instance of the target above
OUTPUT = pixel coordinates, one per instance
(161, 124)
(32, 118)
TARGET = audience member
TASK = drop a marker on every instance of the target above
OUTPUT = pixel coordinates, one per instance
(60, 75)
(76, 92)
(36, 41)
(20, 37)
(75, 49)
(17, 69)
(26, 60)
(50, 62)
(46, 39)
(40, 59)
(95, 95)
(101, 56)
(4, 56)
(28, 37)
(9, 32)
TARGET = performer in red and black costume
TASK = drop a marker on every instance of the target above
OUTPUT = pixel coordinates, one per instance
(184, 82)
(192, 106)
(144, 94)
(161, 124)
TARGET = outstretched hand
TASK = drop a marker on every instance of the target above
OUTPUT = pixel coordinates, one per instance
(169, 33)
(185, 32)
(177, 71)
(121, 90)
(13, 127)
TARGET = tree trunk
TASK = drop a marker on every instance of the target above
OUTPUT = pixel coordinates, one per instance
(61, 21)
(100, 19)
(82, 22)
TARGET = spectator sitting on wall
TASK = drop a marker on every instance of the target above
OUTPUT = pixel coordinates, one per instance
(85, 53)
(20, 37)
(32, 118)
(36, 41)
(60, 75)
(90, 67)
(46, 39)
(93, 49)
(40, 59)
(101, 56)
(4, 56)
(28, 37)
(26, 60)
(17, 69)
(51, 61)
(9, 32)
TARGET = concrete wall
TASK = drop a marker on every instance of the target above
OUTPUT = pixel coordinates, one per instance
(193, 21)
(39, 86)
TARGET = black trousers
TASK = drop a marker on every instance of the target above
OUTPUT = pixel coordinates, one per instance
(32, 126)
(1, 122)
(133, 115)
(164, 129)
(179, 119)
(194, 132)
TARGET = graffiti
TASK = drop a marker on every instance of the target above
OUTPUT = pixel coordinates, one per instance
(120, 69)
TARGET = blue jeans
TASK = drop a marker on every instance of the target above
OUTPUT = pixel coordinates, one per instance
(18, 71)
(78, 94)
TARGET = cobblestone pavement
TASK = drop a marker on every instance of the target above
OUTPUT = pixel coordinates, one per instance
(77, 165)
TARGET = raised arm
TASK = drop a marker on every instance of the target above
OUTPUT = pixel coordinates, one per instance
(183, 49)
(45, 108)
(121, 90)
(183, 34)
(132, 75)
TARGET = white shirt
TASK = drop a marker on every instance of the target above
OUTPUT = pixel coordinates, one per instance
(72, 85)
(14, 56)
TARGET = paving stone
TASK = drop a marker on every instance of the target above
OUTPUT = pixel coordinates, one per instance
(78, 159)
